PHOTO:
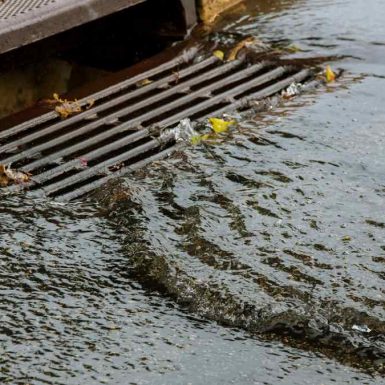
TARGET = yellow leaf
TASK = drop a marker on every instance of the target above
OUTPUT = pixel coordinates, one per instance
(219, 54)
(220, 125)
(330, 75)
(196, 139)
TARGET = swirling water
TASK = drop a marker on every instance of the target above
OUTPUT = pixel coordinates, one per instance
(257, 260)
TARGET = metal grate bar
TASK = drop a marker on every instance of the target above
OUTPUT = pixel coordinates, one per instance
(298, 77)
(138, 135)
(139, 115)
(114, 116)
(124, 141)
(92, 155)
(136, 122)
(81, 191)
(227, 97)
(99, 152)
(159, 84)
(266, 92)
(103, 166)
(107, 92)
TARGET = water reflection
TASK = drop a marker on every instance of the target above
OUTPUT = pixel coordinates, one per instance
(270, 231)
(71, 312)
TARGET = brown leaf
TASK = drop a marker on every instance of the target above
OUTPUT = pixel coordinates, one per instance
(9, 176)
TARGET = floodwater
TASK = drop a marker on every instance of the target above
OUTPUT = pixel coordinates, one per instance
(257, 260)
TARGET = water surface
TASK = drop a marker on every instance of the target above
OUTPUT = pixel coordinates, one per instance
(257, 260)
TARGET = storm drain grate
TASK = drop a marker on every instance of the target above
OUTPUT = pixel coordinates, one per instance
(15, 8)
(121, 133)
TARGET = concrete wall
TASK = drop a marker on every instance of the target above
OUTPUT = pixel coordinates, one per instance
(209, 9)
(20, 88)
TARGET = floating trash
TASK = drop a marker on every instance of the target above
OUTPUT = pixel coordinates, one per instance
(361, 328)
(183, 132)
(330, 75)
(293, 90)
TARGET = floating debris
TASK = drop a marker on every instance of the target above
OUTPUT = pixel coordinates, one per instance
(329, 74)
(220, 125)
(66, 108)
(9, 176)
(293, 90)
(361, 328)
(219, 54)
(196, 139)
(183, 132)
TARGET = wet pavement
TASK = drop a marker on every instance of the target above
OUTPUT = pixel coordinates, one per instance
(257, 260)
